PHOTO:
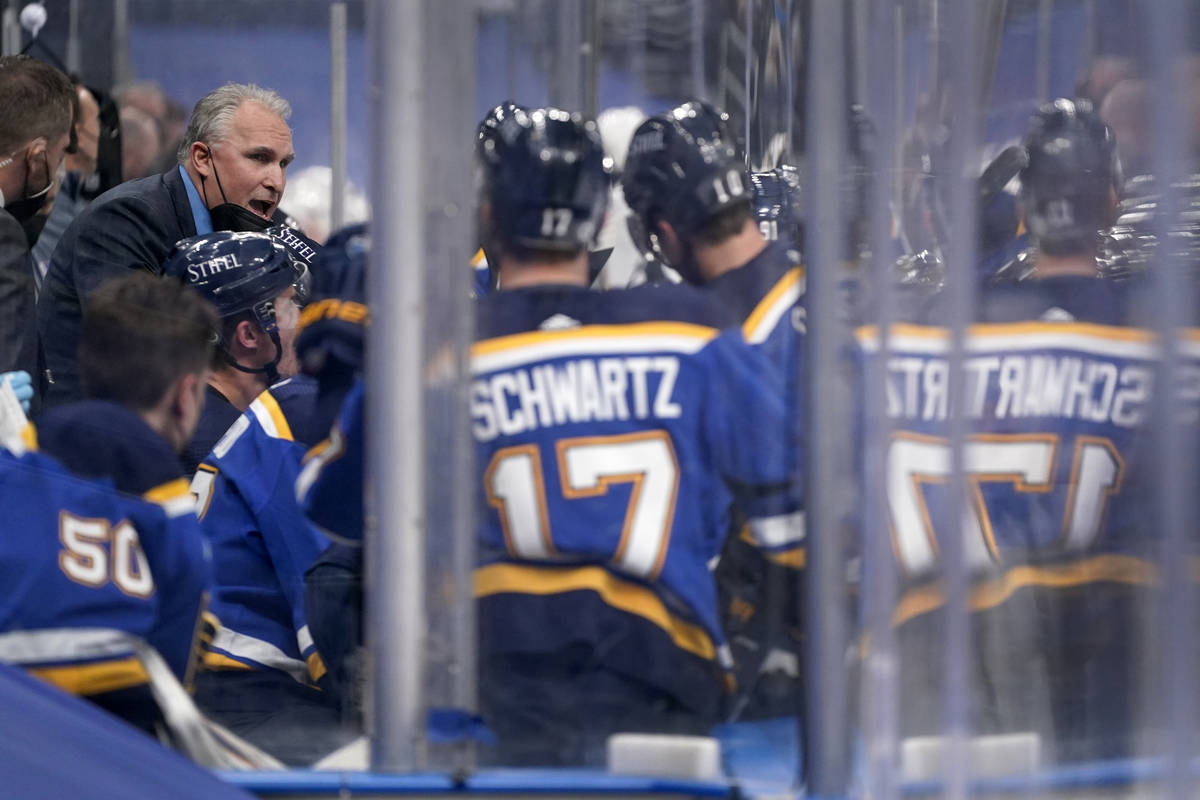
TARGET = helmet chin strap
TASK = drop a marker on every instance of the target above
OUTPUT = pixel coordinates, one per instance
(270, 369)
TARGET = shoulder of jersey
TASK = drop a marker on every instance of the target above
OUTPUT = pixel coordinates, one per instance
(174, 497)
(295, 397)
(677, 303)
(269, 415)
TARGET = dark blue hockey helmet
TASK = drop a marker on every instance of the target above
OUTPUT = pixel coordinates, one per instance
(544, 181)
(1069, 182)
(333, 325)
(489, 126)
(683, 168)
(240, 272)
(778, 204)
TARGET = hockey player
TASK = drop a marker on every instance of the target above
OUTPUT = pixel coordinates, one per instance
(264, 669)
(108, 543)
(1057, 390)
(257, 285)
(330, 485)
(615, 430)
(778, 206)
(693, 207)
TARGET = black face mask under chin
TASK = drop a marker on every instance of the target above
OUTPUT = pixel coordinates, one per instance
(27, 205)
(230, 216)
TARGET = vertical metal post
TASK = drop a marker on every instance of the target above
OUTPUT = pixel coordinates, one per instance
(880, 724)
(961, 92)
(10, 30)
(861, 10)
(1175, 460)
(751, 54)
(638, 38)
(395, 554)
(1045, 22)
(789, 79)
(566, 77)
(900, 101)
(448, 230)
(699, 89)
(935, 41)
(337, 115)
(74, 53)
(1091, 31)
(826, 756)
(122, 71)
(589, 54)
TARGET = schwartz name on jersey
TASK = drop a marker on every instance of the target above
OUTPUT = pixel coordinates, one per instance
(610, 429)
(1055, 532)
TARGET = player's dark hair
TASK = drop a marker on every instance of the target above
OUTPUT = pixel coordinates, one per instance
(724, 224)
(38, 100)
(140, 334)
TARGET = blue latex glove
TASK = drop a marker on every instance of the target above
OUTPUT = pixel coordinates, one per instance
(22, 384)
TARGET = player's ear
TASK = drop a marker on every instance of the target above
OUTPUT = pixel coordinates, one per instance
(247, 335)
(181, 407)
(184, 401)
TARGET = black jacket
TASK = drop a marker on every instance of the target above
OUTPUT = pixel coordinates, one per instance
(132, 226)
(18, 332)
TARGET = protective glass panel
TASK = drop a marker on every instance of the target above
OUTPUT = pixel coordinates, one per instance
(1011, 630)
(896, 497)
(640, 542)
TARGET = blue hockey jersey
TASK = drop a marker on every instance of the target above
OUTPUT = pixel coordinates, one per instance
(262, 542)
(89, 563)
(1057, 529)
(766, 297)
(615, 432)
(1058, 389)
(330, 486)
(481, 275)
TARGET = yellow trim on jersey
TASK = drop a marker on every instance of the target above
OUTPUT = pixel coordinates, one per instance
(618, 593)
(281, 424)
(477, 259)
(793, 558)
(202, 512)
(334, 308)
(781, 288)
(317, 449)
(796, 558)
(29, 436)
(220, 661)
(171, 490)
(95, 678)
(633, 330)
(316, 667)
(994, 592)
(868, 333)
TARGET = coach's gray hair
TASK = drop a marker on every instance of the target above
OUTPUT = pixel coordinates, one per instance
(210, 118)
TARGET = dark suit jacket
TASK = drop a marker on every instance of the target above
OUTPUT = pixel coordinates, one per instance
(18, 332)
(131, 226)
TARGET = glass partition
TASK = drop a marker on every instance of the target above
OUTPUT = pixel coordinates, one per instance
(790, 395)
